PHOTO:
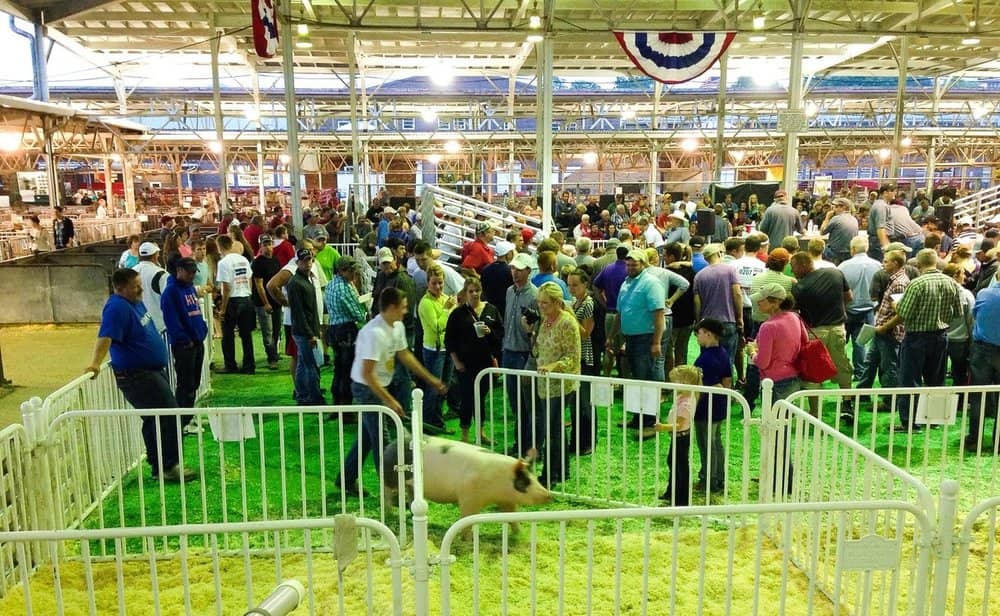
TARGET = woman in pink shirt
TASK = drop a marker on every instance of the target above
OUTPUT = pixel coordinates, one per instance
(775, 352)
(778, 341)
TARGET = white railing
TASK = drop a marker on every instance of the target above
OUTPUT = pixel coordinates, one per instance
(643, 474)
(439, 224)
(91, 569)
(980, 206)
(977, 543)
(15, 244)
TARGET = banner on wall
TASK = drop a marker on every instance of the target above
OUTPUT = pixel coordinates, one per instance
(265, 28)
(674, 57)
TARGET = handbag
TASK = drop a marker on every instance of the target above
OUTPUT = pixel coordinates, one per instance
(814, 363)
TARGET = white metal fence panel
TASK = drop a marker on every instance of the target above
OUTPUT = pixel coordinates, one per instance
(299, 455)
(348, 565)
(714, 560)
(977, 554)
(16, 492)
(516, 412)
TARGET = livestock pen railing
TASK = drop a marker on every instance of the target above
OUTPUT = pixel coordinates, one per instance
(15, 244)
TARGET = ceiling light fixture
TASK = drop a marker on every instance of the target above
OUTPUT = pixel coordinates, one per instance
(979, 111)
(884, 153)
(434, 159)
(906, 142)
(215, 147)
(689, 145)
(628, 113)
(758, 38)
(10, 141)
(284, 158)
(970, 41)
(429, 114)
(759, 22)
(441, 73)
(303, 29)
(590, 158)
(251, 113)
(535, 22)
(535, 38)
(811, 109)
(453, 147)
(737, 156)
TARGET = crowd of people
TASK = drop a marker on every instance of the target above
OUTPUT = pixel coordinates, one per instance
(619, 290)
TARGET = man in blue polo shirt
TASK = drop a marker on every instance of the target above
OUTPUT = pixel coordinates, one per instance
(139, 361)
(186, 330)
(984, 359)
(641, 305)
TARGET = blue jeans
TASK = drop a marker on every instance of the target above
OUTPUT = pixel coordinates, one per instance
(659, 364)
(519, 395)
(882, 359)
(371, 437)
(985, 361)
(855, 320)
(307, 391)
(923, 357)
(434, 362)
(550, 438)
(150, 389)
(730, 340)
(640, 361)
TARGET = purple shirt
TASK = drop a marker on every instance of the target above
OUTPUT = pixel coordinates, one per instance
(610, 282)
(714, 285)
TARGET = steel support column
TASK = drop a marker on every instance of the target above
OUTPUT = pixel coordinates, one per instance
(511, 92)
(931, 162)
(720, 121)
(39, 64)
(791, 168)
(291, 116)
(219, 127)
(261, 194)
(352, 81)
(654, 154)
(902, 60)
(544, 132)
(51, 166)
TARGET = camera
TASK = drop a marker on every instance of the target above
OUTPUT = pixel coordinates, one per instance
(531, 315)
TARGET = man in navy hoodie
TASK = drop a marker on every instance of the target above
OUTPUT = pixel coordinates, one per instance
(186, 330)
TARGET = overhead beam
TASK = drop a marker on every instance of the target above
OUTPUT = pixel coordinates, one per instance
(12, 8)
(71, 8)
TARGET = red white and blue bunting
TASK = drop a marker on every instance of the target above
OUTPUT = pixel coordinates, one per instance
(674, 57)
(265, 28)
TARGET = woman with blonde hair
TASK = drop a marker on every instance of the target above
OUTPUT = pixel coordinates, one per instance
(557, 349)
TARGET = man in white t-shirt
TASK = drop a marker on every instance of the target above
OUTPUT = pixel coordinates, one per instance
(234, 276)
(381, 343)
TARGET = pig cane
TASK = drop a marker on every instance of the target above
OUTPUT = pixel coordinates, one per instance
(421, 566)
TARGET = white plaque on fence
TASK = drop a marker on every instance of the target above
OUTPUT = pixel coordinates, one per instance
(868, 553)
(602, 394)
(640, 399)
(937, 409)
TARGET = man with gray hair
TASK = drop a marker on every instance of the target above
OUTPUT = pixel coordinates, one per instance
(583, 256)
(859, 271)
(841, 228)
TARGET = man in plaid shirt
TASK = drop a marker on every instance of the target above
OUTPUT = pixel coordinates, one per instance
(347, 315)
(930, 302)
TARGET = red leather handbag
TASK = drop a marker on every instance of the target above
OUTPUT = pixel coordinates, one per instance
(814, 362)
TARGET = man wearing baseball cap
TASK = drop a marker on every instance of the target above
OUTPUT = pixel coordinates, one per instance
(497, 277)
(268, 310)
(186, 330)
(780, 220)
(640, 319)
(305, 329)
(154, 280)
(478, 253)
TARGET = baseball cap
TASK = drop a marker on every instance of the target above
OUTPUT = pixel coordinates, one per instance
(712, 250)
(711, 325)
(322, 234)
(637, 254)
(389, 210)
(266, 239)
(504, 248)
(964, 221)
(303, 253)
(780, 254)
(678, 215)
(898, 246)
(346, 263)
(614, 243)
(482, 228)
(521, 261)
(148, 249)
(779, 193)
(187, 263)
(385, 255)
(697, 241)
(770, 290)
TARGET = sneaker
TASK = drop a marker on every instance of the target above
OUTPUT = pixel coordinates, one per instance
(847, 418)
(272, 365)
(194, 427)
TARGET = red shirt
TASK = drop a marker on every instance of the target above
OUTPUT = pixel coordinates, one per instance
(252, 235)
(476, 255)
(283, 251)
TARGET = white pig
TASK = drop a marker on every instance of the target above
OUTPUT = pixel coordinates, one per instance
(466, 474)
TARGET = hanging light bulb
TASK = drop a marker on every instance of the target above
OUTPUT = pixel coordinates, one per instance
(535, 22)
(759, 22)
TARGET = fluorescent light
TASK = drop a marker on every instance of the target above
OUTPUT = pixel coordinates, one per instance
(440, 73)
(303, 29)
(534, 22)
(906, 142)
(215, 147)
(535, 38)
(758, 38)
(304, 44)
(590, 158)
(970, 41)
(453, 147)
(434, 158)
(758, 22)
(689, 144)
(884, 153)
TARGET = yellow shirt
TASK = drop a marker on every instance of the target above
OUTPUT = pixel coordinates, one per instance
(434, 319)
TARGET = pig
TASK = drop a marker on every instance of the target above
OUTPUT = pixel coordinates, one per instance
(466, 474)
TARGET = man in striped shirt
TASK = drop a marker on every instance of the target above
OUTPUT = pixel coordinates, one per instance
(347, 315)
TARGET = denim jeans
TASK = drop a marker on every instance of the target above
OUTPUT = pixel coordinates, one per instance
(985, 361)
(882, 360)
(783, 466)
(519, 395)
(307, 389)
(372, 438)
(549, 438)
(922, 360)
(434, 362)
(188, 359)
(709, 436)
(239, 315)
(342, 338)
(582, 416)
(854, 323)
(659, 364)
(958, 355)
(270, 330)
(730, 341)
(640, 360)
(150, 389)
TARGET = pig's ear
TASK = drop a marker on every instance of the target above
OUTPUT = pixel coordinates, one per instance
(532, 456)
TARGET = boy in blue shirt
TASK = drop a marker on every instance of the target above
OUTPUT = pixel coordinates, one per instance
(716, 370)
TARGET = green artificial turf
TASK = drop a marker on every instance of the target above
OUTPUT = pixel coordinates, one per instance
(242, 483)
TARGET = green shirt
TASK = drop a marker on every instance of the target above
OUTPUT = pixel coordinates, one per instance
(765, 277)
(929, 303)
(327, 259)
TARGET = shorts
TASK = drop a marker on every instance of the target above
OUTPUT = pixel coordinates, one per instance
(290, 349)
